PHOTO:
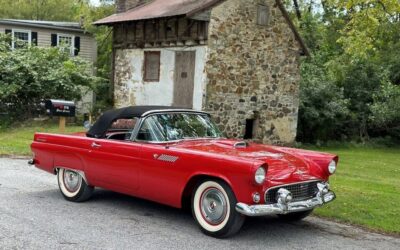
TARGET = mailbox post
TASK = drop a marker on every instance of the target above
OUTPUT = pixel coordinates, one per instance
(61, 109)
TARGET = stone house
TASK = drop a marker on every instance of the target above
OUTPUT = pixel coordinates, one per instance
(49, 33)
(237, 59)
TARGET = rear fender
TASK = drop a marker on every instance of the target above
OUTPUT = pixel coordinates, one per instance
(68, 161)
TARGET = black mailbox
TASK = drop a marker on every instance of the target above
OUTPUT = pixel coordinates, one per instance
(60, 108)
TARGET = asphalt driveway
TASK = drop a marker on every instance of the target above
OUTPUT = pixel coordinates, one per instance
(33, 215)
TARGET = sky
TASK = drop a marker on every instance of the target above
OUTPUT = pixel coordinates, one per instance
(95, 2)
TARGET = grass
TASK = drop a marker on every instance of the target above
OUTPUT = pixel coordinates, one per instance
(367, 182)
(16, 141)
(367, 185)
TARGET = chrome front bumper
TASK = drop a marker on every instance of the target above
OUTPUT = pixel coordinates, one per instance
(285, 205)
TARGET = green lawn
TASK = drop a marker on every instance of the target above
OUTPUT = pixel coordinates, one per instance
(367, 182)
(367, 185)
(16, 141)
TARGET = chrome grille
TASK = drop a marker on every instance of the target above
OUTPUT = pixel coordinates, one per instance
(300, 191)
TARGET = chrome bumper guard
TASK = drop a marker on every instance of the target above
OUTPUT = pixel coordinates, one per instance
(285, 204)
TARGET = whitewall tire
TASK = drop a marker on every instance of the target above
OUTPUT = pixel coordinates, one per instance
(213, 207)
(73, 186)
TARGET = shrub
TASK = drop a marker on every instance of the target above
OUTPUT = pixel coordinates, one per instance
(32, 74)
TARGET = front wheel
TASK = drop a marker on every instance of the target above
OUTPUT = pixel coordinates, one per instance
(72, 186)
(213, 207)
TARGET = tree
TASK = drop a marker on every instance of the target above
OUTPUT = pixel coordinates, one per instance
(350, 86)
(367, 21)
(386, 110)
(323, 107)
(52, 10)
(103, 36)
(75, 11)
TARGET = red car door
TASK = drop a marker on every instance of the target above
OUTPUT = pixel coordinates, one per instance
(114, 165)
(162, 177)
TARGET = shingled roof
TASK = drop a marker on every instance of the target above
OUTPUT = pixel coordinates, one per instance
(161, 8)
(68, 26)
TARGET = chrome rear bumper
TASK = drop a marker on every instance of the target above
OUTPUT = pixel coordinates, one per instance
(284, 204)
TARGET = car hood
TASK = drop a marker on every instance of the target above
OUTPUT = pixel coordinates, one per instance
(283, 163)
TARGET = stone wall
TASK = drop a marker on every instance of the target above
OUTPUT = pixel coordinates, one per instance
(253, 72)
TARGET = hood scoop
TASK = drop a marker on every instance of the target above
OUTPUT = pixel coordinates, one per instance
(241, 144)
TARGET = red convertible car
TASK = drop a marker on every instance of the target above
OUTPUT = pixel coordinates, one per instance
(178, 157)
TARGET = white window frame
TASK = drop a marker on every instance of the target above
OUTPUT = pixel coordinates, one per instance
(21, 31)
(72, 49)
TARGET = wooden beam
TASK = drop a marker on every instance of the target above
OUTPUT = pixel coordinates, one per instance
(155, 31)
(198, 29)
(177, 28)
(125, 33)
(166, 28)
(135, 31)
(190, 23)
(144, 30)
(157, 34)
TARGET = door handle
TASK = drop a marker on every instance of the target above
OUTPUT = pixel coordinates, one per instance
(96, 145)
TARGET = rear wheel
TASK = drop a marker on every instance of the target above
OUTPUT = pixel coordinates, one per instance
(72, 186)
(213, 207)
(295, 216)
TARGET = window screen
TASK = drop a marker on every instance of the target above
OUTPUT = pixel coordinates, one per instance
(152, 66)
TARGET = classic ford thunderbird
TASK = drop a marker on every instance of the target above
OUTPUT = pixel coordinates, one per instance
(178, 157)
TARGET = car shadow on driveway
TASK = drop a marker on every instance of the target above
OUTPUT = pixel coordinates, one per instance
(128, 220)
(256, 227)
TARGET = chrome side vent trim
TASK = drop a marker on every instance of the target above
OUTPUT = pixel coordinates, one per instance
(241, 144)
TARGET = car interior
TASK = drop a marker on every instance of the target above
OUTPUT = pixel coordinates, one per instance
(121, 129)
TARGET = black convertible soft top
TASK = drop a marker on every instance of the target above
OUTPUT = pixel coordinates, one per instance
(100, 127)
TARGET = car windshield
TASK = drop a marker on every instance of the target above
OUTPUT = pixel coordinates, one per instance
(177, 126)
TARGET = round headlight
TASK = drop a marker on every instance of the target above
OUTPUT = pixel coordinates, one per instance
(332, 167)
(260, 175)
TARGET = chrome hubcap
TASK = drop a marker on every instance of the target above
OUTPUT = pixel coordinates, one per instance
(72, 180)
(213, 206)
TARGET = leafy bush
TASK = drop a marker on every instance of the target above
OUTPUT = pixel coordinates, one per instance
(323, 108)
(386, 110)
(340, 100)
(350, 84)
(31, 74)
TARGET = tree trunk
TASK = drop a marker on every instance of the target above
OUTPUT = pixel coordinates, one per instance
(310, 7)
(297, 8)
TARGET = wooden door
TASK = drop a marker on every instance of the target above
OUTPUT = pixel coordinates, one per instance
(184, 78)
